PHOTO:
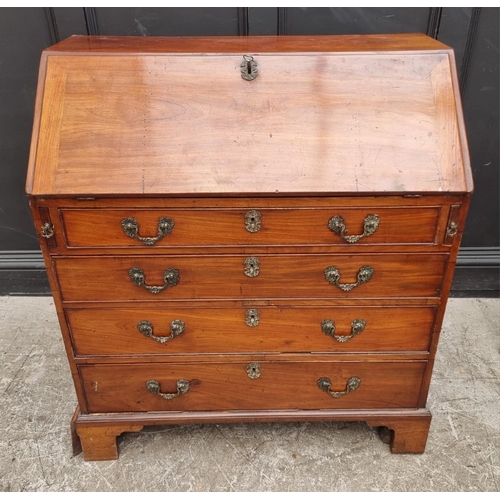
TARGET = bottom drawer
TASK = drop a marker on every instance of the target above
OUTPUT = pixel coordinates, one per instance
(252, 386)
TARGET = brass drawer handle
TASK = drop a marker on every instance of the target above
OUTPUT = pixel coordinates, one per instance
(251, 267)
(352, 384)
(370, 225)
(332, 275)
(170, 277)
(130, 227)
(146, 328)
(253, 221)
(357, 326)
(153, 386)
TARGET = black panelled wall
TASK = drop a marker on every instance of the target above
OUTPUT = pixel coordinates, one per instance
(472, 32)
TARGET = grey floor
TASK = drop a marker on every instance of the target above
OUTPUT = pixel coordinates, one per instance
(38, 401)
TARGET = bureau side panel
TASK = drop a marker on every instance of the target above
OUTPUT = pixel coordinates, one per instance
(453, 237)
(42, 215)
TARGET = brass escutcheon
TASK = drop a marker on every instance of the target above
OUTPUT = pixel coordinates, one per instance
(252, 317)
(47, 230)
(253, 370)
(253, 221)
(251, 267)
(452, 229)
(249, 69)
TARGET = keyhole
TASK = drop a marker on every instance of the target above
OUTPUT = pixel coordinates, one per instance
(253, 370)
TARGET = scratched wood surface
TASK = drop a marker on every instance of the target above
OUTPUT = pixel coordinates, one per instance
(190, 125)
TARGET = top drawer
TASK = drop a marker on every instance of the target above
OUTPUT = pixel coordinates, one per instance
(249, 226)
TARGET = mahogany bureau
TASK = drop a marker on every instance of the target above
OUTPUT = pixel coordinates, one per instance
(249, 229)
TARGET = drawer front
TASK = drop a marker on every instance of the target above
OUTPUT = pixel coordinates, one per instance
(284, 276)
(249, 227)
(116, 332)
(228, 386)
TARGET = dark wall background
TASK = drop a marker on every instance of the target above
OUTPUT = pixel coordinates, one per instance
(472, 32)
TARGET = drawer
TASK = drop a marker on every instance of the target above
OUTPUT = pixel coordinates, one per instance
(248, 227)
(116, 332)
(223, 277)
(228, 386)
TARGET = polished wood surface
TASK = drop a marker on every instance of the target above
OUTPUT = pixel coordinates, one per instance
(284, 226)
(222, 277)
(317, 123)
(227, 44)
(99, 442)
(148, 128)
(403, 200)
(226, 386)
(114, 332)
(408, 429)
(407, 434)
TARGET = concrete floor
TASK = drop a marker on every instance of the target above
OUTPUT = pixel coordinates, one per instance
(38, 401)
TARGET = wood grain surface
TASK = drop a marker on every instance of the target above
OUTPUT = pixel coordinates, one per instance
(226, 386)
(219, 277)
(226, 44)
(148, 128)
(190, 125)
(284, 226)
(114, 332)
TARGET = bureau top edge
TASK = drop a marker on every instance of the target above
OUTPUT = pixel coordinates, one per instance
(424, 197)
(236, 44)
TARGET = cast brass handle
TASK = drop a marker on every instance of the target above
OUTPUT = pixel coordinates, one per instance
(253, 221)
(146, 328)
(251, 267)
(332, 275)
(130, 227)
(47, 230)
(153, 386)
(370, 225)
(170, 278)
(352, 384)
(357, 326)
